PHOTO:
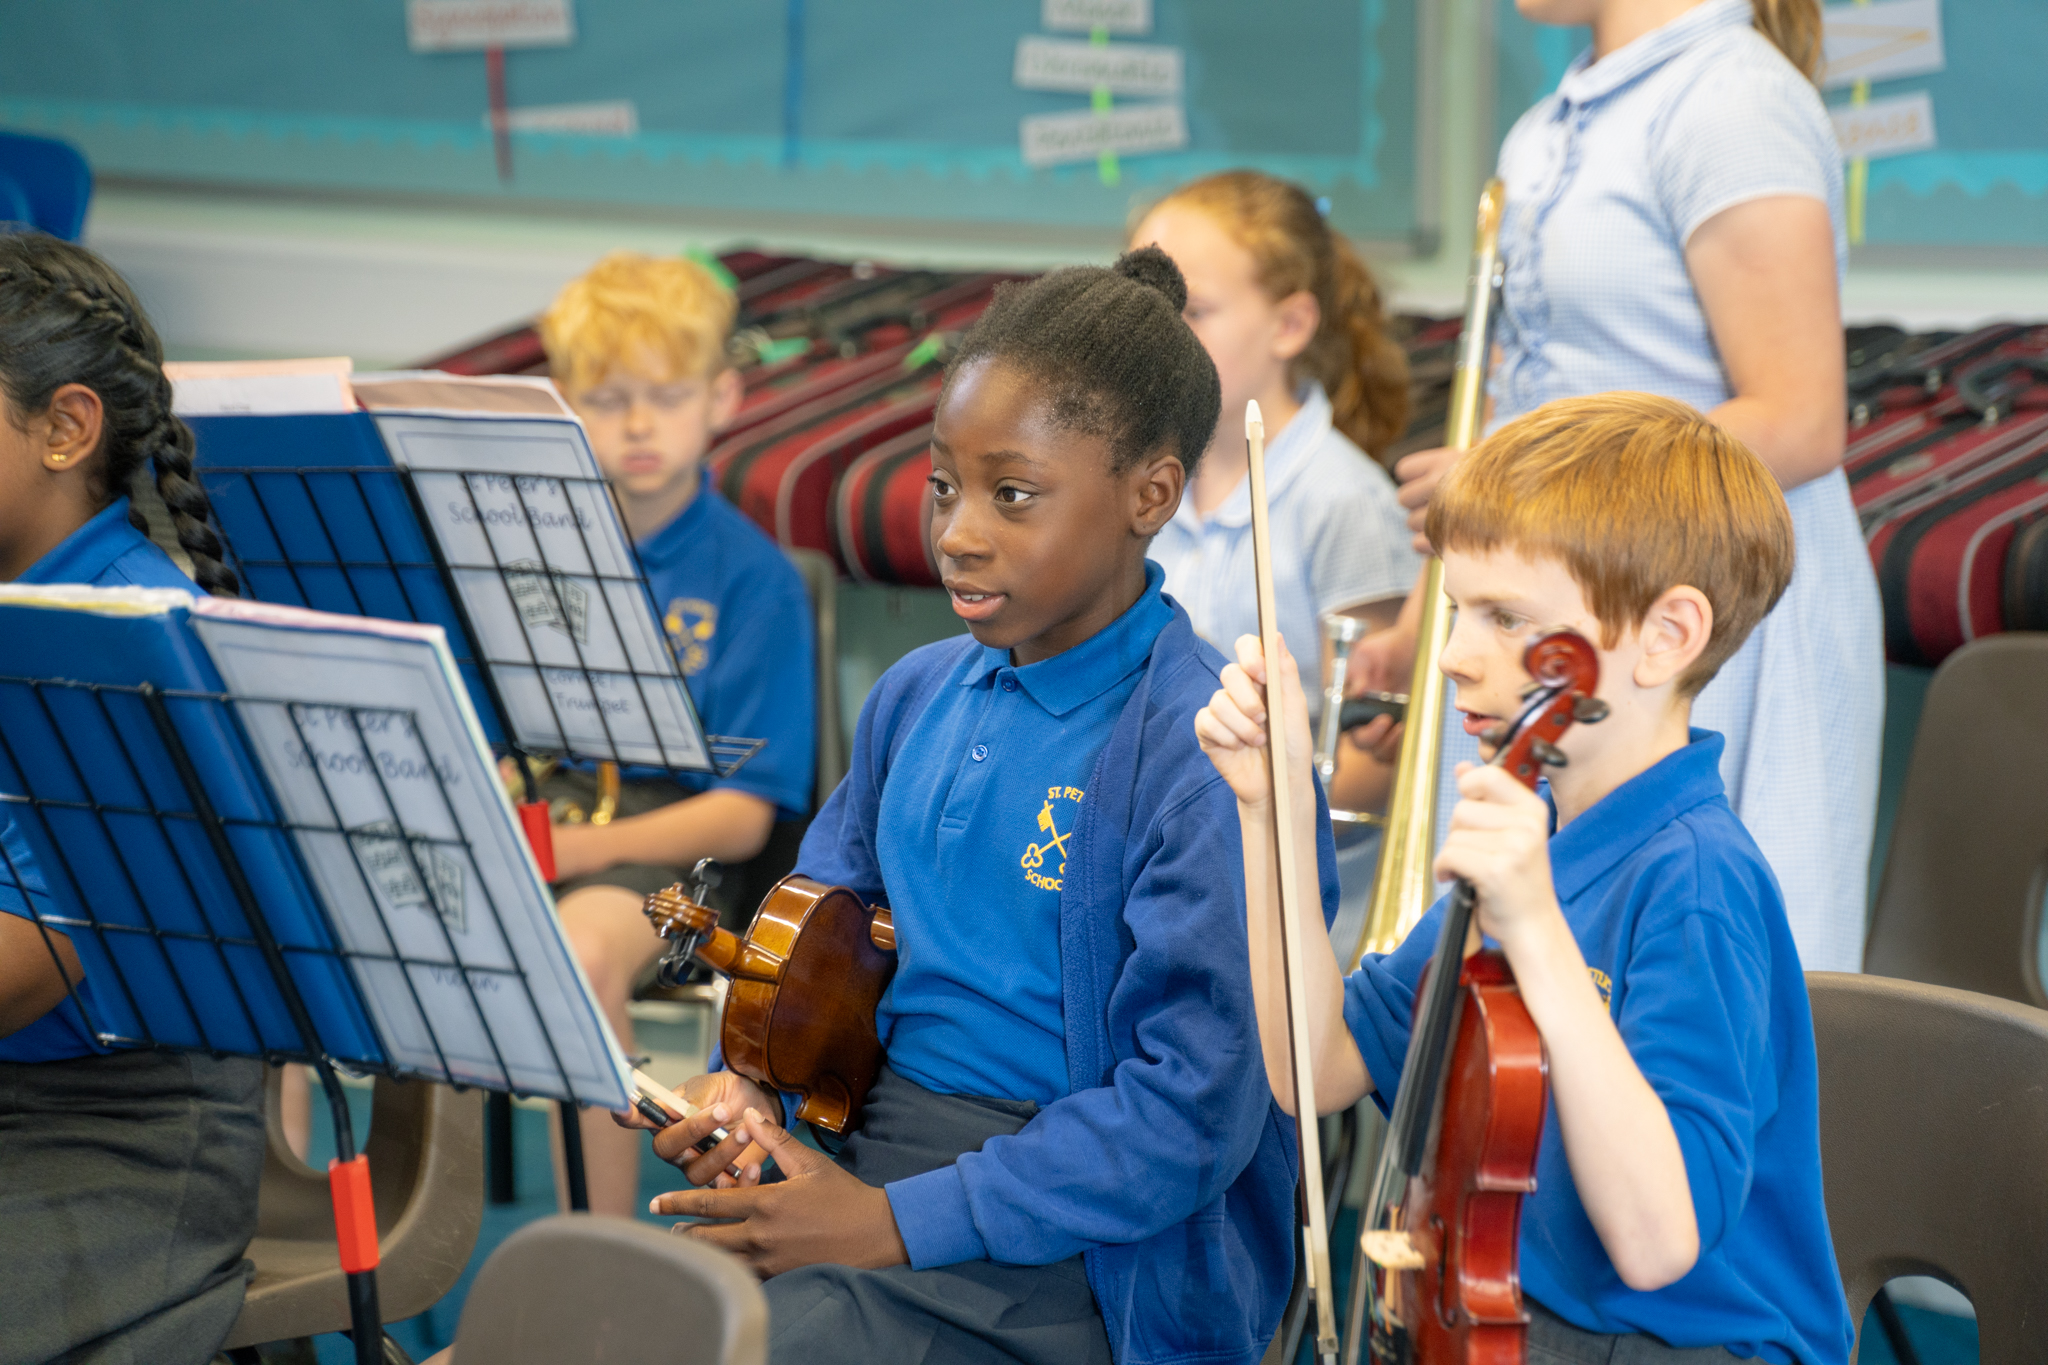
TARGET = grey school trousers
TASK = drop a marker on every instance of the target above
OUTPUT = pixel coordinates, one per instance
(963, 1314)
(127, 1197)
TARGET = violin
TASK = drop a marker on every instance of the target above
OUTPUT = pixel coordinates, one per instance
(806, 979)
(1445, 1217)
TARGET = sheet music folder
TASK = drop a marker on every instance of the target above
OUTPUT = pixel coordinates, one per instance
(229, 803)
(475, 505)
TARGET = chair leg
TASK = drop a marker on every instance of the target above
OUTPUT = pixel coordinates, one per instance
(244, 1355)
(394, 1354)
(1894, 1327)
(498, 1153)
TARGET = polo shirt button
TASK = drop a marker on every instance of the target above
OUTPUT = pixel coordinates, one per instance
(1009, 684)
(979, 752)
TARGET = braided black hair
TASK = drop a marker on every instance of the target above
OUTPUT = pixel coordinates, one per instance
(1111, 345)
(66, 317)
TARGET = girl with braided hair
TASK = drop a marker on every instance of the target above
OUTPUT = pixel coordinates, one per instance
(127, 1179)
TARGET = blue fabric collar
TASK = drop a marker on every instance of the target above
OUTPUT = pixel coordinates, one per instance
(672, 541)
(1089, 669)
(1586, 80)
(1627, 817)
(85, 554)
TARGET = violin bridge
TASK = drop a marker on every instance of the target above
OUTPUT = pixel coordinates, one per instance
(1391, 1250)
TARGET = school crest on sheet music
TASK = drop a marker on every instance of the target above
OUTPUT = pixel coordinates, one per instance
(1045, 856)
(549, 597)
(691, 622)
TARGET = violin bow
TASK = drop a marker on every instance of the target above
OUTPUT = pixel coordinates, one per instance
(1316, 1235)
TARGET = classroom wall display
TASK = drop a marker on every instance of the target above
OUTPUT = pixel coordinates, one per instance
(887, 109)
(1983, 183)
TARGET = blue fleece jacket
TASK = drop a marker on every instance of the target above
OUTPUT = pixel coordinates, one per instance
(1167, 1167)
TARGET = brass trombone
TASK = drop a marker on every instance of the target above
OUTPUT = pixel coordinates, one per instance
(1404, 884)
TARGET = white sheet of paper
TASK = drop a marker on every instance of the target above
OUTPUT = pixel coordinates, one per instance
(472, 25)
(1082, 67)
(547, 578)
(1083, 16)
(1053, 139)
(598, 118)
(415, 851)
(205, 388)
(1880, 42)
(1888, 127)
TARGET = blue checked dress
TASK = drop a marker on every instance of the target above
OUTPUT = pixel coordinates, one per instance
(1606, 180)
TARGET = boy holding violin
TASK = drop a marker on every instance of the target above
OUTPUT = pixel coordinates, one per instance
(1678, 1210)
(1072, 1154)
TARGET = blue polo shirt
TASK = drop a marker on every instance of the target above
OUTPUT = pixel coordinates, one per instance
(106, 552)
(1684, 932)
(974, 834)
(739, 620)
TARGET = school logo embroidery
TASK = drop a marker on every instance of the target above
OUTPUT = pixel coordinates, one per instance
(691, 622)
(1602, 983)
(1039, 855)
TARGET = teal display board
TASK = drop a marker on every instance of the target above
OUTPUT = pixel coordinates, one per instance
(1986, 182)
(880, 108)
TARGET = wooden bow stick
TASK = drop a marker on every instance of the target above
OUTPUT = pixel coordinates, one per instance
(1316, 1235)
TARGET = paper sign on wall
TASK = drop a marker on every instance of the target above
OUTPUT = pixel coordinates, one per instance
(1120, 68)
(1053, 139)
(1886, 127)
(1085, 16)
(603, 118)
(473, 25)
(1881, 41)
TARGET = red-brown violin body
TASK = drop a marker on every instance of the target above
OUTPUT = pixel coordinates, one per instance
(1465, 1303)
(806, 979)
(1462, 1148)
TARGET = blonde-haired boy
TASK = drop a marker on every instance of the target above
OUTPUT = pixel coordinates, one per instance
(1678, 1198)
(638, 347)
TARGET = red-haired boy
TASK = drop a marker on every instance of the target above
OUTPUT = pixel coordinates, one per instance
(1678, 1209)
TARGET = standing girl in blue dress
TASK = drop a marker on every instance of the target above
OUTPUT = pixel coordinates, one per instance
(1674, 225)
(127, 1179)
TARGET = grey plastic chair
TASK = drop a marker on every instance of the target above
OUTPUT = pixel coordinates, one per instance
(426, 1173)
(821, 581)
(1960, 902)
(1933, 1130)
(577, 1287)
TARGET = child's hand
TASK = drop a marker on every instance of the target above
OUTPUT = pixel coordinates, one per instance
(1500, 842)
(1232, 727)
(721, 1098)
(820, 1214)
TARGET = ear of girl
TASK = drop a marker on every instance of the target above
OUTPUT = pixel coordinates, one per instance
(68, 319)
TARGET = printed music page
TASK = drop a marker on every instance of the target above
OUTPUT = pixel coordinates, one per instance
(374, 752)
(549, 582)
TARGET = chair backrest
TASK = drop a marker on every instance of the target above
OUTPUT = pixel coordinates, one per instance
(1960, 902)
(821, 580)
(1934, 1147)
(426, 1175)
(583, 1287)
(54, 179)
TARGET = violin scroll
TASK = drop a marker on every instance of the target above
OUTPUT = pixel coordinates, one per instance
(691, 930)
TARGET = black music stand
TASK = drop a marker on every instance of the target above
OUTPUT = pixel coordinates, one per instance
(208, 931)
(361, 540)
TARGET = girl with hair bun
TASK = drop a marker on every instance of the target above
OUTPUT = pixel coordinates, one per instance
(129, 1186)
(1072, 1154)
(1293, 318)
